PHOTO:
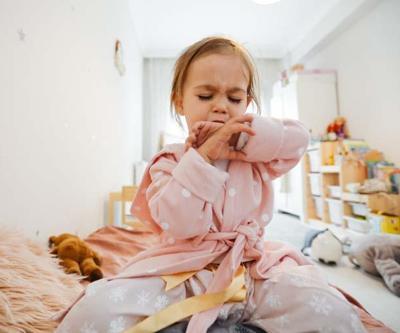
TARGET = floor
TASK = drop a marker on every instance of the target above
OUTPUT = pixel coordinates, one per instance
(370, 291)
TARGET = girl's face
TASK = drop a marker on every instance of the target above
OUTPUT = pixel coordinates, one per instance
(215, 89)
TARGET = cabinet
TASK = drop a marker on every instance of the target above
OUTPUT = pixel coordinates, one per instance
(328, 201)
(326, 198)
(312, 99)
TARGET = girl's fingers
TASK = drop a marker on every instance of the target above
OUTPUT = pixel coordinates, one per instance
(236, 155)
(198, 126)
(238, 127)
(191, 141)
(243, 118)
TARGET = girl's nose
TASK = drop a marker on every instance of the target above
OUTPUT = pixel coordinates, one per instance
(220, 107)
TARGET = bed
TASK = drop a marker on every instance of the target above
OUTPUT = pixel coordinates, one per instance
(33, 287)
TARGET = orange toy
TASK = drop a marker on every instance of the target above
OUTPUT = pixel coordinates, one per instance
(76, 256)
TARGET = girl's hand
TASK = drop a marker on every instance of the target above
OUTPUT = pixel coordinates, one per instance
(217, 144)
(200, 132)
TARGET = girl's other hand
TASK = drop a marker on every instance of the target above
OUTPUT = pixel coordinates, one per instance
(200, 132)
(218, 142)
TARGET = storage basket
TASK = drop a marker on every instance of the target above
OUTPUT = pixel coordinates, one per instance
(319, 206)
(335, 191)
(359, 209)
(335, 211)
(315, 160)
(357, 224)
(315, 183)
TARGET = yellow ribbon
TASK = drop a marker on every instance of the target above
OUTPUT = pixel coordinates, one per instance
(189, 306)
(176, 279)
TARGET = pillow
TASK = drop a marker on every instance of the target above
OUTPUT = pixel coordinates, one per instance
(33, 287)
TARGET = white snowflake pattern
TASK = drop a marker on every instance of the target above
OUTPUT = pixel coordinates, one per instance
(93, 288)
(298, 281)
(319, 303)
(118, 294)
(327, 329)
(161, 302)
(117, 325)
(274, 301)
(88, 328)
(143, 297)
(283, 321)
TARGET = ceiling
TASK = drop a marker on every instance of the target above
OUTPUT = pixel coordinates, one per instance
(165, 27)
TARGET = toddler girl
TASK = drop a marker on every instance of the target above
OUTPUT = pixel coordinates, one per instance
(209, 201)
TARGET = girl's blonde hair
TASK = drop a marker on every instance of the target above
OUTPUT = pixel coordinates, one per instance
(206, 46)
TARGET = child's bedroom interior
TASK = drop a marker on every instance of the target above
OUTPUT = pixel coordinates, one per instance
(85, 105)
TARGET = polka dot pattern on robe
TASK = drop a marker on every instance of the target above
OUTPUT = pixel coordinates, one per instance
(165, 226)
(265, 176)
(185, 193)
(265, 217)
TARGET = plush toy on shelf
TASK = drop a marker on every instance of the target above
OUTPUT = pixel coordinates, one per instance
(76, 256)
(337, 130)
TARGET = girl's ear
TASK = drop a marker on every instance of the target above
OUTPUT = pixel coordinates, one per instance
(179, 106)
(249, 100)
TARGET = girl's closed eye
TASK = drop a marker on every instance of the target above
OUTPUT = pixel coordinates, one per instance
(235, 100)
(209, 97)
(205, 97)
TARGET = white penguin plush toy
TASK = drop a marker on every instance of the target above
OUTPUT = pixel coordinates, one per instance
(327, 248)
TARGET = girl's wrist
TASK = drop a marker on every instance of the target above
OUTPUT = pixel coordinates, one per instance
(204, 155)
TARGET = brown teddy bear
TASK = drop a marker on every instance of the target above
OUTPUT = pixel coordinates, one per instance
(76, 256)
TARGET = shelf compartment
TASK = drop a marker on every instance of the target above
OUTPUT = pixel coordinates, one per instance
(355, 197)
(330, 168)
(357, 224)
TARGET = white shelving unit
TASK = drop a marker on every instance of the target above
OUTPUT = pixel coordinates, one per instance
(344, 212)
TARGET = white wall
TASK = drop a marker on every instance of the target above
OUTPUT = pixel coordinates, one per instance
(268, 71)
(367, 57)
(70, 125)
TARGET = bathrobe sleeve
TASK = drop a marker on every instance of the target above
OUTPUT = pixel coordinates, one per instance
(279, 144)
(180, 193)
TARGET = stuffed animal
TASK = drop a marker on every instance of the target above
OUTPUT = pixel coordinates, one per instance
(337, 129)
(76, 256)
(379, 255)
(323, 246)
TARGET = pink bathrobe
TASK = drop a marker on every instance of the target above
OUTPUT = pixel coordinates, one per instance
(207, 215)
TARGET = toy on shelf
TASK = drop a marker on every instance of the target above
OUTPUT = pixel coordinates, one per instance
(337, 130)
